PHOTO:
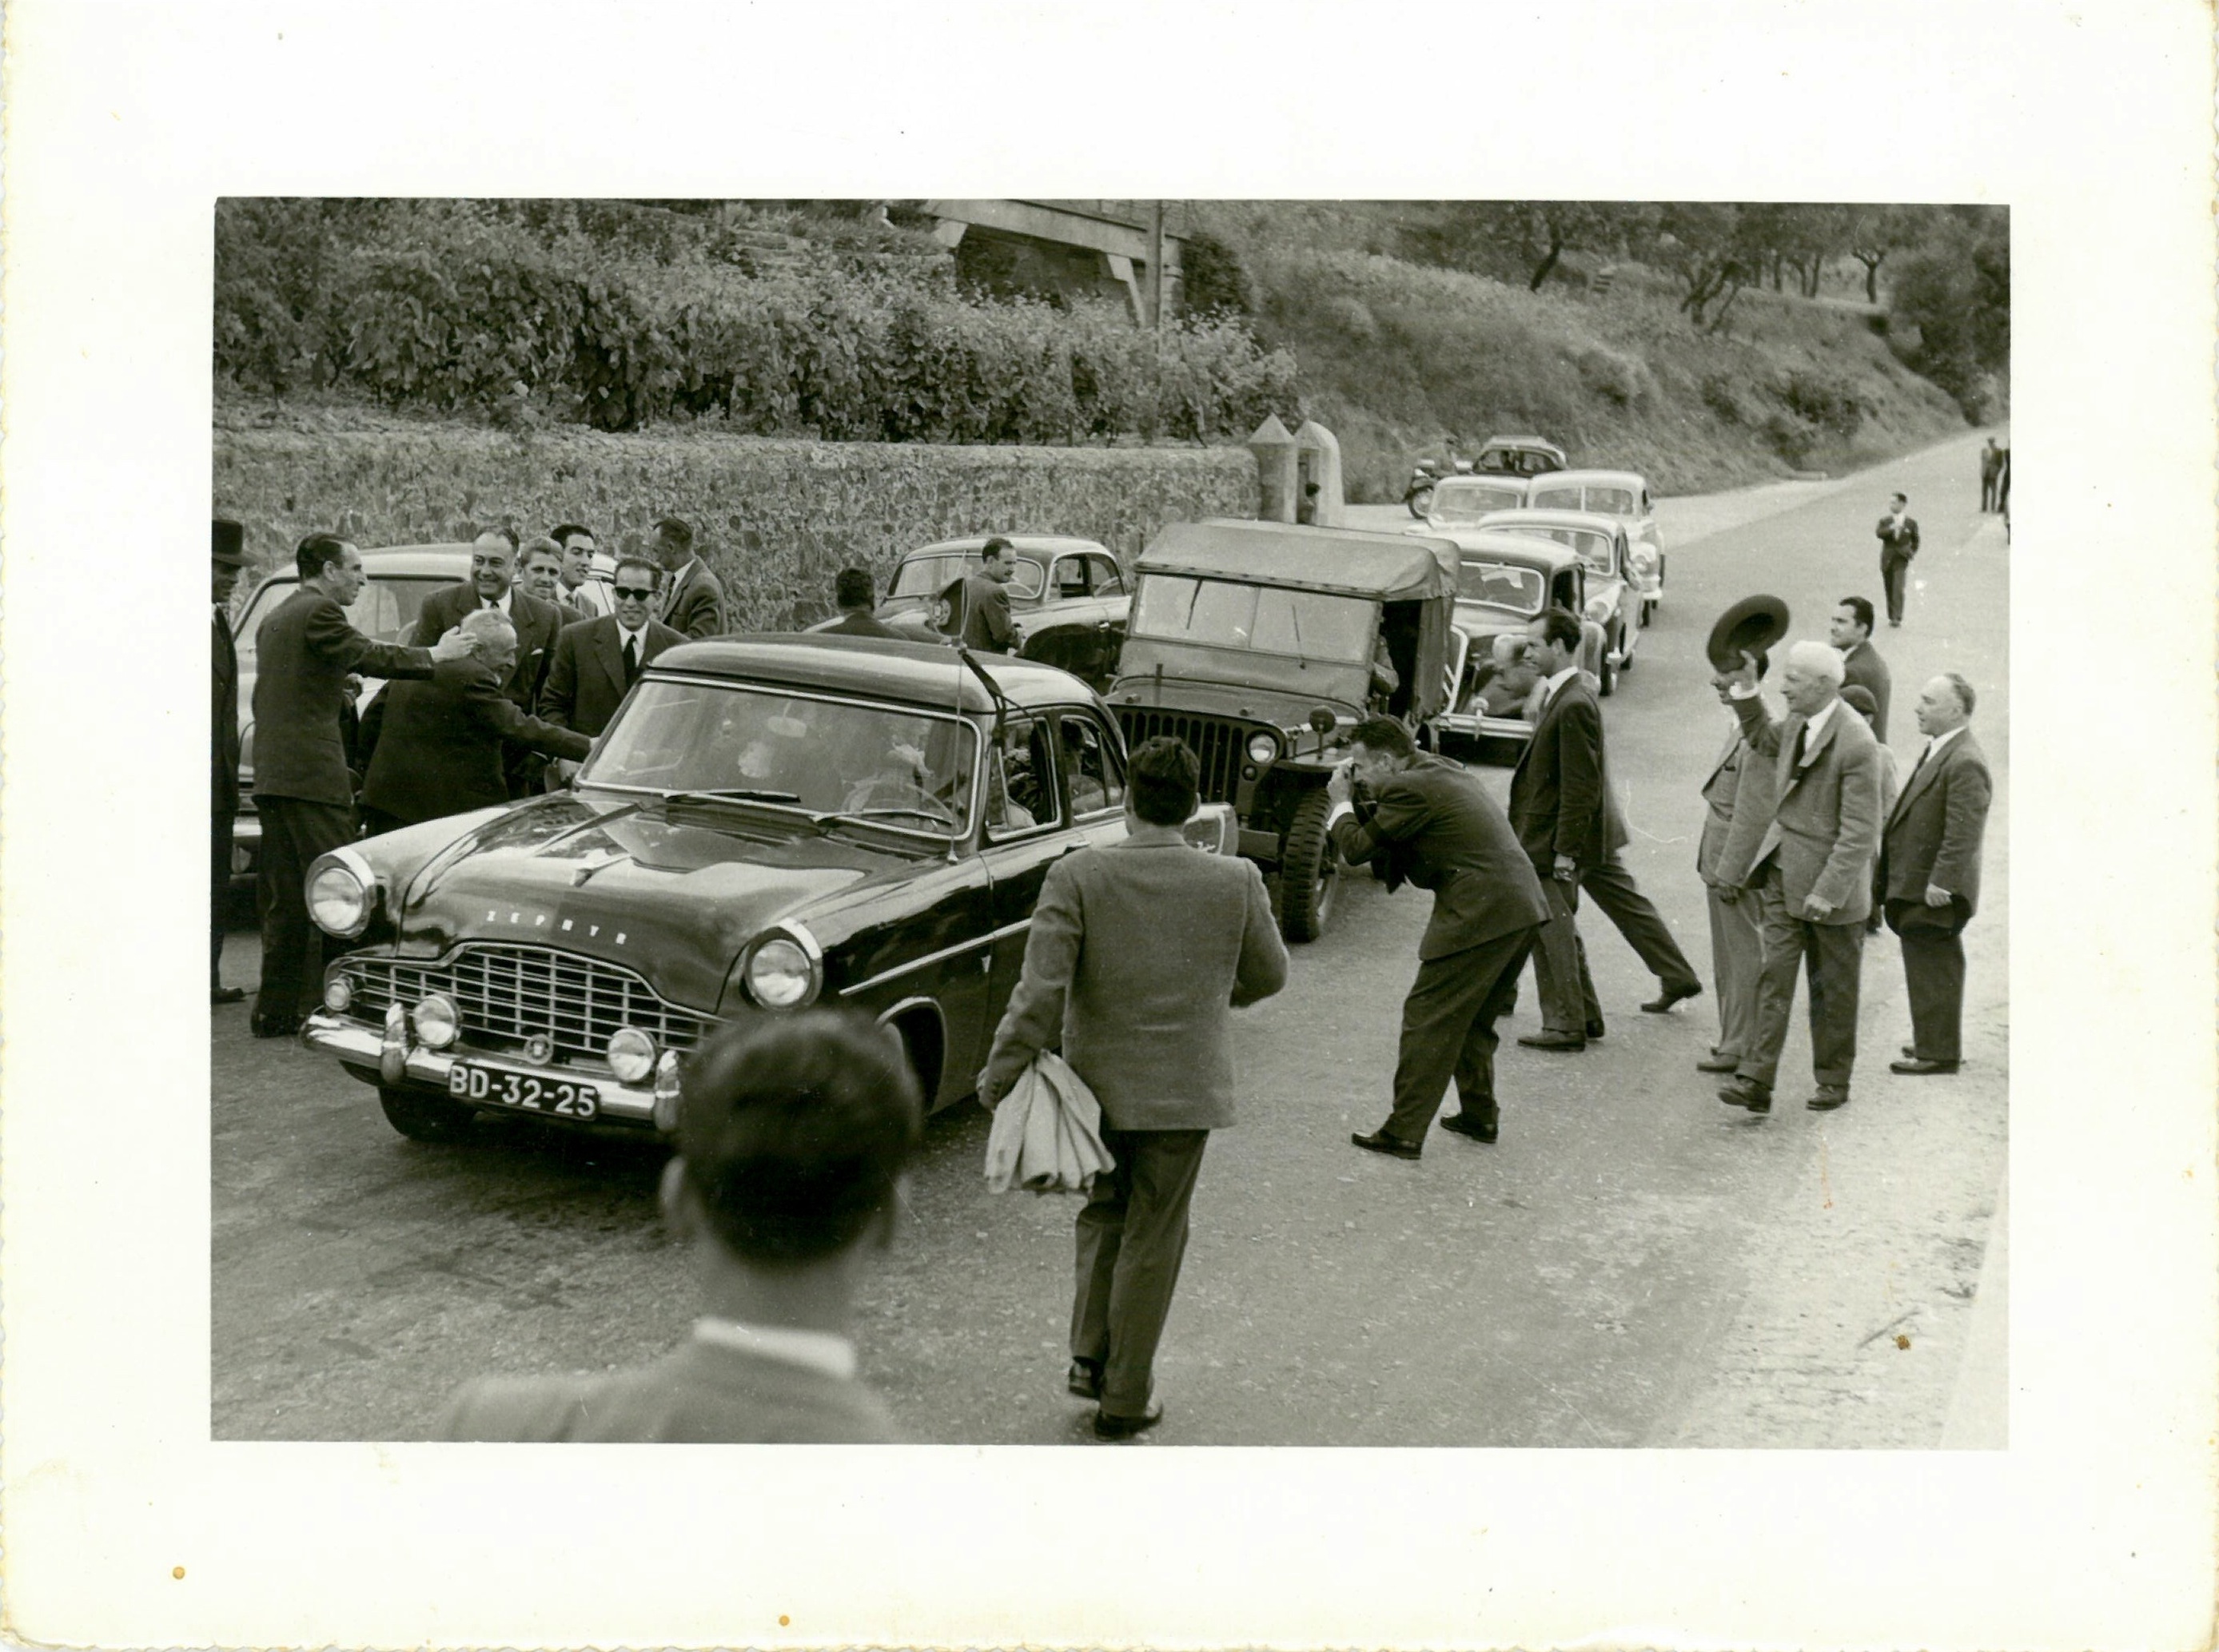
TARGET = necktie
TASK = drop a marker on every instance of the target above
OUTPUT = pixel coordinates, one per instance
(632, 660)
(1801, 735)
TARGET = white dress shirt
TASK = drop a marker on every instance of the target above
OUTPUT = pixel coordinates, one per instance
(817, 1350)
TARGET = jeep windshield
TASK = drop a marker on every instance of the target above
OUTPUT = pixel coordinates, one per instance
(1500, 586)
(750, 746)
(927, 577)
(1260, 619)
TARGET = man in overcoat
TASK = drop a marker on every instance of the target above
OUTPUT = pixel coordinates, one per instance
(597, 661)
(493, 584)
(229, 543)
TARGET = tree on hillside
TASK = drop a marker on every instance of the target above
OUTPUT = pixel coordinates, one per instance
(1214, 281)
(1708, 246)
(1876, 232)
(1484, 236)
(1955, 286)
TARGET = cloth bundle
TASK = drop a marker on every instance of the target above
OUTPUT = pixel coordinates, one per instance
(1046, 1136)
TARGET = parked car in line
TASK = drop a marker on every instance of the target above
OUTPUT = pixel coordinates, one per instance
(769, 823)
(1460, 501)
(1255, 642)
(1601, 544)
(398, 579)
(1068, 600)
(1503, 582)
(1521, 456)
(1621, 493)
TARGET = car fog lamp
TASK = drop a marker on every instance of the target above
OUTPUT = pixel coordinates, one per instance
(338, 995)
(1262, 747)
(436, 1021)
(338, 900)
(631, 1054)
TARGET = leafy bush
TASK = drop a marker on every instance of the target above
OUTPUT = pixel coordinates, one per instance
(1822, 400)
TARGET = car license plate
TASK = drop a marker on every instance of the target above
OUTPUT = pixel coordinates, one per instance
(525, 1092)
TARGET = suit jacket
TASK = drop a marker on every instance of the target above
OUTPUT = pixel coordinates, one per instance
(439, 749)
(986, 623)
(538, 624)
(694, 605)
(1934, 835)
(304, 652)
(223, 657)
(699, 1394)
(1559, 792)
(863, 623)
(1863, 666)
(1720, 791)
(1446, 834)
(1899, 542)
(1139, 954)
(1824, 824)
(587, 683)
(592, 600)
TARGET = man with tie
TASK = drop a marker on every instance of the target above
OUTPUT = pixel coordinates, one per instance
(693, 601)
(1898, 544)
(597, 661)
(229, 547)
(1850, 631)
(492, 584)
(588, 595)
(1930, 872)
(1812, 873)
(1738, 800)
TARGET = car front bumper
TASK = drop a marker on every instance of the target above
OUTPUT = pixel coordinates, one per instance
(396, 1059)
(1481, 727)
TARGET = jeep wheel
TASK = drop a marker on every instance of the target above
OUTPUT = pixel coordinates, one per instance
(424, 1118)
(1310, 870)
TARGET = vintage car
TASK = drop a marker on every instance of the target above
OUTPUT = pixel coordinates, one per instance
(398, 579)
(1068, 600)
(1621, 493)
(1601, 544)
(768, 823)
(1503, 580)
(1460, 501)
(1255, 642)
(1521, 456)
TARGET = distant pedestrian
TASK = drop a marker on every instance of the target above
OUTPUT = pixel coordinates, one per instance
(597, 661)
(1930, 871)
(491, 583)
(229, 545)
(1991, 471)
(1435, 825)
(1738, 800)
(858, 605)
(581, 588)
(1898, 542)
(1850, 631)
(305, 652)
(1140, 951)
(693, 601)
(794, 1136)
(987, 627)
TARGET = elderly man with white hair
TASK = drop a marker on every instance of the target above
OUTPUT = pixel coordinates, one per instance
(1812, 872)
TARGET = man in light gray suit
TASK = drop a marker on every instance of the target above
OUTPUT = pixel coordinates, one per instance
(794, 1134)
(1738, 800)
(1138, 954)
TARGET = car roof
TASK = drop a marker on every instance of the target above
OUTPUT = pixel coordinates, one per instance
(1593, 521)
(1612, 478)
(927, 674)
(1040, 544)
(445, 561)
(1522, 441)
(1498, 544)
(1352, 561)
(1484, 479)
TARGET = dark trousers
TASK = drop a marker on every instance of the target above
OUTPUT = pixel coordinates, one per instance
(1560, 964)
(1638, 919)
(293, 833)
(1894, 574)
(1833, 954)
(1988, 492)
(1132, 1238)
(219, 890)
(1448, 1031)
(1933, 973)
(1736, 962)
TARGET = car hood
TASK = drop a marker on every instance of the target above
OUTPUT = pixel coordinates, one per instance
(676, 899)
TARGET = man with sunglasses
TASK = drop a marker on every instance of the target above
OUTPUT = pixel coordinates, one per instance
(597, 660)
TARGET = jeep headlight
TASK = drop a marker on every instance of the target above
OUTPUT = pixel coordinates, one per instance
(785, 970)
(340, 893)
(1262, 747)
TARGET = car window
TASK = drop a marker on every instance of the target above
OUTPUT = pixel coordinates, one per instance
(1310, 625)
(1611, 501)
(1070, 577)
(1109, 578)
(1503, 585)
(1021, 780)
(1091, 772)
(1555, 498)
(927, 576)
(1595, 549)
(1469, 501)
(386, 609)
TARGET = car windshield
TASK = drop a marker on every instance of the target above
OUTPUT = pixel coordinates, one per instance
(927, 577)
(386, 610)
(1502, 586)
(1468, 502)
(1267, 620)
(1604, 502)
(910, 770)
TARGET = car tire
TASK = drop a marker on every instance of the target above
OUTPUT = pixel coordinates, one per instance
(1310, 870)
(1606, 673)
(1421, 502)
(424, 1118)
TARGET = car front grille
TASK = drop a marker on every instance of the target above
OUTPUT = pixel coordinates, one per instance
(1220, 745)
(506, 993)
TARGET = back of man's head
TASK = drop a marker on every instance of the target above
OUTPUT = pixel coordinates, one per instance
(794, 1132)
(1166, 781)
(852, 588)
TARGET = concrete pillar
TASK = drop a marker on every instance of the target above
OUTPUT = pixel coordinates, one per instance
(1276, 470)
(1318, 460)
(1121, 270)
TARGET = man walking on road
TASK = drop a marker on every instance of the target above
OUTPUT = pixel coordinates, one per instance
(1898, 544)
(1812, 872)
(228, 544)
(1930, 872)
(1436, 826)
(1850, 631)
(1739, 798)
(1140, 951)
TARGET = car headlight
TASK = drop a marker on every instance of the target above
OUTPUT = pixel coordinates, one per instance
(435, 1020)
(631, 1054)
(1262, 747)
(784, 972)
(338, 994)
(340, 894)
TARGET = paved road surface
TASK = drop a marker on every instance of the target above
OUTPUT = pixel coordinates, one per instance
(1634, 1264)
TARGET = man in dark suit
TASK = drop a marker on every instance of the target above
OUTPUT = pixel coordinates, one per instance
(1850, 631)
(1140, 951)
(794, 1133)
(1812, 873)
(1737, 803)
(1438, 827)
(1930, 872)
(492, 584)
(1992, 470)
(858, 607)
(1898, 544)
(597, 661)
(693, 601)
(229, 547)
(439, 744)
(1558, 797)
(305, 653)
(987, 627)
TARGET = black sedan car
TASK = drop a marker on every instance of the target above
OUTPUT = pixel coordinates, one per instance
(770, 822)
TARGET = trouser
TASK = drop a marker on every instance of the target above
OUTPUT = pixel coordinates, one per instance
(1737, 961)
(219, 890)
(1831, 954)
(1638, 919)
(1448, 1031)
(1894, 574)
(295, 831)
(1560, 964)
(1933, 973)
(1132, 1239)
(1987, 493)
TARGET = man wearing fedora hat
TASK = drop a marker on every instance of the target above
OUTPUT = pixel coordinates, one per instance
(228, 548)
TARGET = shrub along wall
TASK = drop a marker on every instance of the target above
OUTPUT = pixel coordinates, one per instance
(776, 519)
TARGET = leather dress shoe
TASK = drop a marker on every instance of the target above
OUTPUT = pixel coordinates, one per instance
(1109, 1425)
(1718, 1064)
(1085, 1378)
(1596, 1029)
(1917, 1066)
(276, 1026)
(1567, 1042)
(1747, 1092)
(1663, 1002)
(227, 995)
(1827, 1098)
(1479, 1129)
(1393, 1147)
